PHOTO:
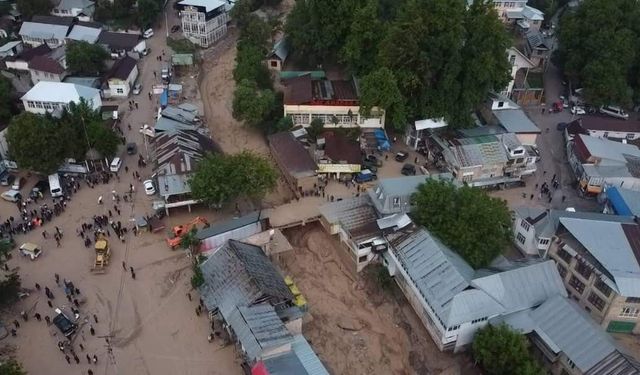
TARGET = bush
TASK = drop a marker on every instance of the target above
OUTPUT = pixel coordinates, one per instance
(181, 45)
(198, 278)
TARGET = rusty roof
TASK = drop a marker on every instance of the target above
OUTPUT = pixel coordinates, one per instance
(292, 155)
(338, 148)
(298, 90)
(45, 64)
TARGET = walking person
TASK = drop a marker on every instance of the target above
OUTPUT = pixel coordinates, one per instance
(95, 359)
(88, 359)
(67, 358)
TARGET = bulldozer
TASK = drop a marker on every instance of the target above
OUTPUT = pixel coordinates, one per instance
(103, 253)
(180, 230)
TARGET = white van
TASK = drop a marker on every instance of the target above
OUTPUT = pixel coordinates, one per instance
(614, 111)
(54, 185)
(148, 33)
(116, 163)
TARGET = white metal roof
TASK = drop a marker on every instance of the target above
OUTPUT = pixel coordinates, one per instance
(60, 92)
(209, 5)
(7, 46)
(515, 121)
(430, 124)
(84, 33)
(43, 30)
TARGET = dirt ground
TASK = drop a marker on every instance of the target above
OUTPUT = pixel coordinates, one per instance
(380, 333)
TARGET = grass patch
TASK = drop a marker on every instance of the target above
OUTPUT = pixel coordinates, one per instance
(181, 45)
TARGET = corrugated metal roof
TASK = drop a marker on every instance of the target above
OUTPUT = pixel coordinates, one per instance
(307, 356)
(44, 30)
(228, 225)
(258, 328)
(572, 331)
(515, 121)
(616, 363)
(284, 364)
(625, 202)
(350, 213)
(608, 243)
(523, 287)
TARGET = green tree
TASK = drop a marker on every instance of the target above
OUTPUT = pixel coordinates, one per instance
(148, 11)
(221, 178)
(250, 104)
(284, 124)
(597, 50)
(315, 128)
(81, 124)
(361, 47)
(86, 58)
(466, 219)
(380, 89)
(11, 367)
(502, 351)
(250, 66)
(30, 8)
(6, 104)
(34, 144)
(9, 288)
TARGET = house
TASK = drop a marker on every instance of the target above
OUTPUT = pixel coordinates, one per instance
(295, 162)
(568, 342)
(278, 55)
(46, 29)
(121, 44)
(620, 201)
(335, 102)
(85, 32)
(598, 263)
(393, 195)
(597, 162)
(537, 48)
(239, 228)
(609, 127)
(417, 134)
(301, 360)
(518, 61)
(484, 160)
(534, 228)
(81, 9)
(501, 111)
(11, 49)
(204, 22)
(336, 154)
(45, 68)
(509, 10)
(121, 76)
(530, 19)
(22, 59)
(451, 299)
(50, 97)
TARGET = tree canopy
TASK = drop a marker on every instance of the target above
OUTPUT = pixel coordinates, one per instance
(5, 99)
(445, 56)
(30, 8)
(598, 50)
(502, 351)
(219, 179)
(148, 11)
(9, 288)
(85, 58)
(466, 219)
(11, 367)
(250, 104)
(379, 88)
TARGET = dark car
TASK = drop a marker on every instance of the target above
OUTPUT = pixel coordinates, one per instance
(64, 324)
(409, 170)
(365, 176)
(7, 179)
(40, 187)
(372, 160)
(401, 156)
(561, 126)
(132, 148)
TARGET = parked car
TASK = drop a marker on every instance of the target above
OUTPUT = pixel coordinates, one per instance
(614, 111)
(30, 250)
(146, 51)
(373, 160)
(148, 33)
(365, 176)
(132, 148)
(18, 183)
(11, 195)
(401, 156)
(7, 179)
(40, 187)
(408, 170)
(137, 89)
(577, 110)
(149, 189)
(64, 324)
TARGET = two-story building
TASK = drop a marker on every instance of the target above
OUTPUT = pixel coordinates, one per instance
(537, 48)
(46, 29)
(599, 266)
(452, 299)
(81, 9)
(518, 61)
(121, 76)
(53, 97)
(204, 22)
(608, 127)
(22, 59)
(50, 67)
(334, 102)
(597, 162)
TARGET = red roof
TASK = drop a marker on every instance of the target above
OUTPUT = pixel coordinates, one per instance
(338, 148)
(580, 149)
(46, 64)
(259, 369)
(298, 90)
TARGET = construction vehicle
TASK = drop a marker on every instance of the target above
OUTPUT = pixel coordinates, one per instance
(180, 230)
(103, 253)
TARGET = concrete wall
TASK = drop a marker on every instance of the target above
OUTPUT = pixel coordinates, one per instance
(342, 112)
(612, 134)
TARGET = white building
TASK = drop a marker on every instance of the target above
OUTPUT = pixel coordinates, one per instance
(334, 102)
(47, 97)
(82, 9)
(204, 22)
(46, 29)
(11, 49)
(608, 127)
(518, 61)
(452, 299)
(122, 76)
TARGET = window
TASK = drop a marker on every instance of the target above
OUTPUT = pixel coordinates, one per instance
(561, 270)
(525, 225)
(31, 104)
(606, 134)
(633, 300)
(454, 328)
(39, 105)
(520, 238)
(571, 364)
(362, 259)
(479, 320)
(630, 135)
(274, 64)
(543, 241)
(576, 284)
(120, 91)
(604, 288)
(512, 60)
(583, 269)
(396, 201)
(629, 312)
(596, 301)
(564, 255)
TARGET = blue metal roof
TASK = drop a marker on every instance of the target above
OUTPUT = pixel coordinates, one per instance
(622, 201)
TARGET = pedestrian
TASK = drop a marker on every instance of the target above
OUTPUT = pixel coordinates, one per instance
(47, 319)
(95, 359)
(88, 359)
(16, 323)
(37, 286)
(67, 358)
(92, 330)
(57, 277)
(189, 296)
(24, 316)
(81, 347)
(124, 265)
(75, 358)
(100, 199)
(95, 318)
(38, 316)
(77, 291)
(89, 372)
(14, 333)
(49, 303)
(76, 303)
(44, 233)
(563, 198)
(133, 274)
(197, 311)
(57, 242)
(136, 103)
(531, 196)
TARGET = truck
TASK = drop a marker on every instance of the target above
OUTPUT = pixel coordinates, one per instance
(103, 253)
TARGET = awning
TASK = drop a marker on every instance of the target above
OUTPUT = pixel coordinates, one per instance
(430, 124)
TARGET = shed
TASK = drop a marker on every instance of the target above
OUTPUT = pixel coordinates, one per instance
(234, 229)
(295, 162)
(278, 55)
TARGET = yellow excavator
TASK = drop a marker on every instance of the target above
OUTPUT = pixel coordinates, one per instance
(103, 253)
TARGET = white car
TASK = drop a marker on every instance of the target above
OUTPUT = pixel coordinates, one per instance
(614, 111)
(577, 110)
(11, 195)
(149, 189)
(148, 33)
(137, 88)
